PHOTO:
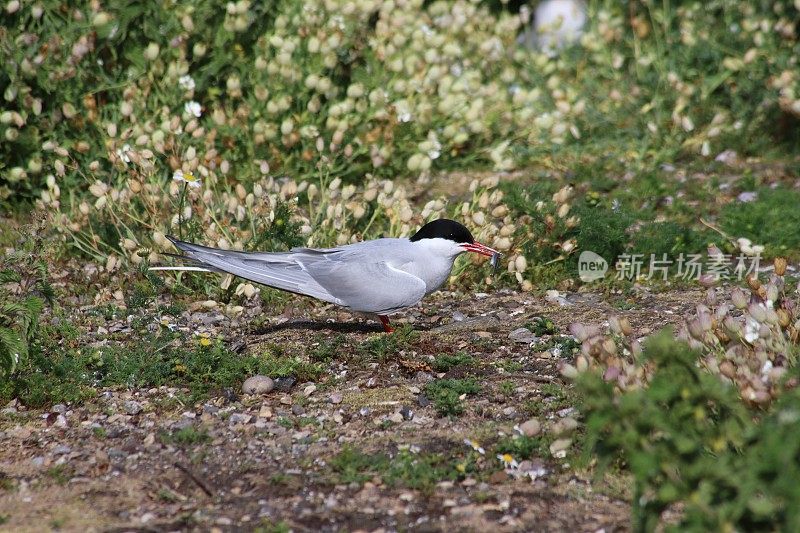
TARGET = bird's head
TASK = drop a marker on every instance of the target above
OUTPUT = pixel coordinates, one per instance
(451, 238)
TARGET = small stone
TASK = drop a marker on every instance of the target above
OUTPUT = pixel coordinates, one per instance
(406, 413)
(458, 316)
(522, 335)
(559, 447)
(298, 410)
(210, 409)
(510, 411)
(132, 407)
(371, 383)
(240, 418)
(265, 412)
(309, 390)
(59, 408)
(147, 517)
(565, 412)
(565, 426)
(61, 449)
(258, 385)
(335, 398)
(423, 400)
(423, 377)
(531, 428)
(498, 477)
(397, 418)
(285, 383)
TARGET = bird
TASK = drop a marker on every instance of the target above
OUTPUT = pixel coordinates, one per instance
(378, 277)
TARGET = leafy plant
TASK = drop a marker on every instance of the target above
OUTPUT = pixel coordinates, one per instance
(24, 288)
(691, 443)
(445, 394)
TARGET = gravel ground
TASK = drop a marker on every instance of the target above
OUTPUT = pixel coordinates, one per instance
(144, 460)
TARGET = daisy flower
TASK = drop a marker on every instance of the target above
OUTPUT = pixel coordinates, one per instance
(204, 339)
(508, 460)
(187, 177)
(475, 446)
(193, 108)
(187, 82)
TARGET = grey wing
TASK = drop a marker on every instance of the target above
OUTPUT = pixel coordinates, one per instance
(373, 287)
(280, 270)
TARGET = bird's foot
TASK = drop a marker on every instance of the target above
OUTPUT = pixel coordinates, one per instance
(386, 326)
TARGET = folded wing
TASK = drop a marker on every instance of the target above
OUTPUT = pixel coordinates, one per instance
(347, 276)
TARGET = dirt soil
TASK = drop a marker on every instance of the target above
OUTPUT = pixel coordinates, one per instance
(266, 461)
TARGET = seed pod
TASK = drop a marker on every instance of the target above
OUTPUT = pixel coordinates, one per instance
(780, 264)
(727, 369)
(739, 298)
(752, 281)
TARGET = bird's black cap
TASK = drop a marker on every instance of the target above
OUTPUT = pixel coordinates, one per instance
(444, 229)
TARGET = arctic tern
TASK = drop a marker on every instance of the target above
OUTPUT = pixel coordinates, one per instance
(379, 277)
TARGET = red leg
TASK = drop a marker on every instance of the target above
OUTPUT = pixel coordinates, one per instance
(385, 321)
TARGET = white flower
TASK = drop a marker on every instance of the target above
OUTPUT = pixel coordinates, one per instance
(508, 460)
(187, 177)
(475, 446)
(122, 153)
(751, 330)
(193, 108)
(187, 82)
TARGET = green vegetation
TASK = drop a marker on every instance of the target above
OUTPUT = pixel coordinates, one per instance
(445, 394)
(60, 474)
(689, 440)
(383, 347)
(770, 220)
(186, 436)
(24, 287)
(53, 374)
(404, 469)
(521, 447)
(542, 326)
(444, 362)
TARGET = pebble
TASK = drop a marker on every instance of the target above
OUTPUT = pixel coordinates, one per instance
(258, 385)
(522, 335)
(335, 398)
(565, 426)
(132, 407)
(240, 418)
(510, 411)
(423, 400)
(61, 450)
(211, 409)
(284, 384)
(531, 428)
(559, 447)
(298, 410)
(59, 408)
(308, 391)
(397, 418)
(565, 412)
(423, 377)
(406, 413)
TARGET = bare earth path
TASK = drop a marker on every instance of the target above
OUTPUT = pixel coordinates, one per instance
(266, 461)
